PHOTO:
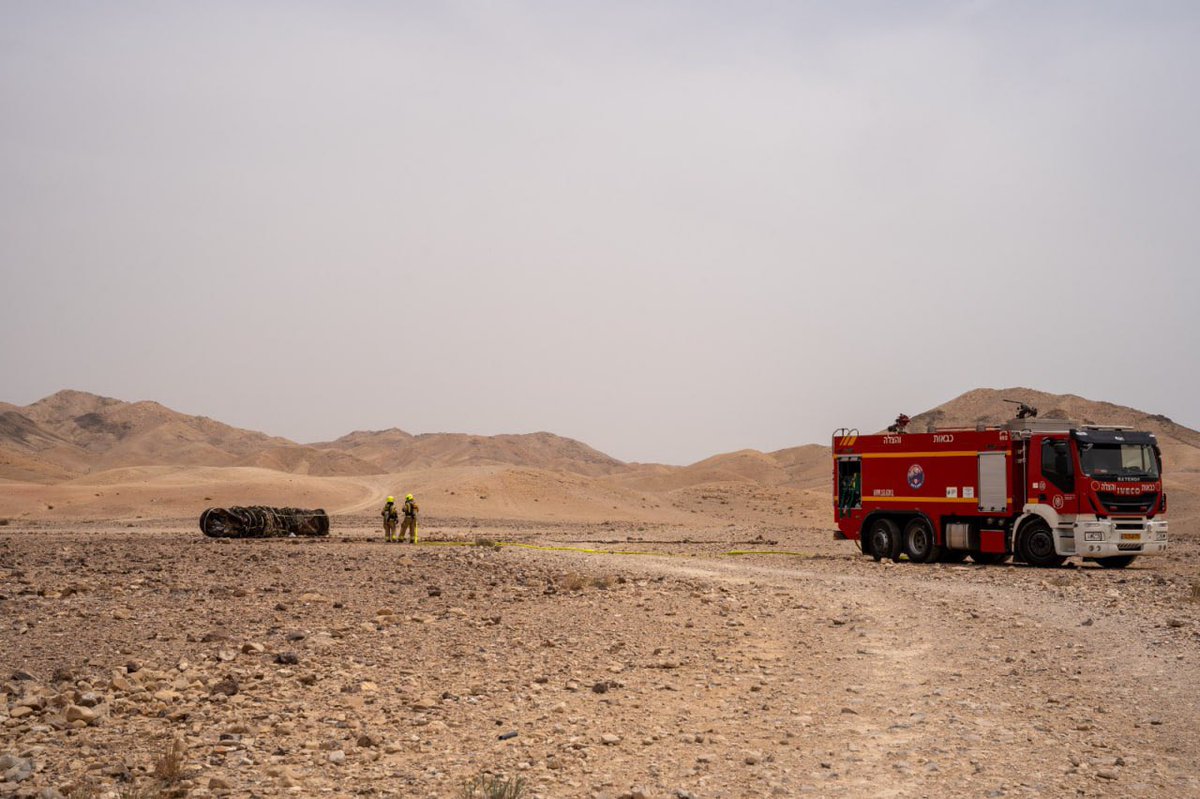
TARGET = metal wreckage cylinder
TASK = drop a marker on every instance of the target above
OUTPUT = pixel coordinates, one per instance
(261, 521)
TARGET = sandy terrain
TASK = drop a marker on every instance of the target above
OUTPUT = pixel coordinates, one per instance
(347, 667)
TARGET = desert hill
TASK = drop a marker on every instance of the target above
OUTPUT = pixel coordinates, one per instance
(71, 433)
(797, 467)
(395, 450)
(89, 455)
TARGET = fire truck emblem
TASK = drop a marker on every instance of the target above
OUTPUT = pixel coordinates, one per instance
(916, 476)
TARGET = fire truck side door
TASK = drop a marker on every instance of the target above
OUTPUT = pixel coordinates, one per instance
(849, 484)
(1053, 470)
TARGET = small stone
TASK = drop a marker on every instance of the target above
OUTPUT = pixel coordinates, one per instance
(122, 614)
(78, 713)
(287, 658)
(251, 648)
(1173, 622)
(1106, 774)
(608, 739)
(218, 784)
(600, 687)
(20, 712)
(752, 758)
(227, 686)
(337, 757)
(368, 741)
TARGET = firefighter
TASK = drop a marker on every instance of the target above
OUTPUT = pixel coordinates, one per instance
(410, 520)
(390, 518)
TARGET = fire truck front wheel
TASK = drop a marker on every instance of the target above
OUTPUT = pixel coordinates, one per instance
(1035, 545)
(918, 542)
(884, 539)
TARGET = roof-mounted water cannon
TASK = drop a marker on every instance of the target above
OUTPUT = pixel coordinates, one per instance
(900, 424)
(1024, 411)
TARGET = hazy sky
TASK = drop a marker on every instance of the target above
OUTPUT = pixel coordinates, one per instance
(668, 229)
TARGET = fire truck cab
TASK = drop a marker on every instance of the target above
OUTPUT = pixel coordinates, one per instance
(1038, 490)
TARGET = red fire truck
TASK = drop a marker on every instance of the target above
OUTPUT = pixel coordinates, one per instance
(1039, 490)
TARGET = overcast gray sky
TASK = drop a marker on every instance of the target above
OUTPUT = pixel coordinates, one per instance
(668, 229)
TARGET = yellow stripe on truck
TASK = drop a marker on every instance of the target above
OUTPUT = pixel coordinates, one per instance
(925, 499)
(920, 454)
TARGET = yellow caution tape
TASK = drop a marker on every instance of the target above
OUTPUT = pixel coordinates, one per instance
(544, 548)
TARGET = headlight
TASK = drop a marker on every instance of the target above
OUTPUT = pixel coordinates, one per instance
(1097, 536)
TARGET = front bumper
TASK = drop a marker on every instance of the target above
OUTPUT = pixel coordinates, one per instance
(1106, 538)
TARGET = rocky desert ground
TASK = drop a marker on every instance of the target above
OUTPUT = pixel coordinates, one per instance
(569, 626)
(589, 660)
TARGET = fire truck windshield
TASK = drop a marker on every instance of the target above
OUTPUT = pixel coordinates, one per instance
(1118, 460)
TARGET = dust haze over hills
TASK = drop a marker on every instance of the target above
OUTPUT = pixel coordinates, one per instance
(79, 452)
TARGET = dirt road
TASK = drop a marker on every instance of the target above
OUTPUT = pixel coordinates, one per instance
(346, 667)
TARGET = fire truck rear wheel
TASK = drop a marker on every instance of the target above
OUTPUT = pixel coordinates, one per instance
(918, 542)
(884, 539)
(1118, 562)
(1035, 546)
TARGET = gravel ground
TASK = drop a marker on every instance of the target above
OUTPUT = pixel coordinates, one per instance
(346, 667)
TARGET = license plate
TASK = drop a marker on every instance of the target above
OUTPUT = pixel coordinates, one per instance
(1131, 536)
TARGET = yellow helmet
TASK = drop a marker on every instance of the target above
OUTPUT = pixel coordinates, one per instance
(409, 496)
(391, 499)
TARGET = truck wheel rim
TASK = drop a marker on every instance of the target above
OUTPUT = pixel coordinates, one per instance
(1041, 544)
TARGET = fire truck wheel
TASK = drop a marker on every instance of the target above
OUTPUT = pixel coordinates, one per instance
(884, 539)
(953, 556)
(1118, 562)
(918, 542)
(1036, 546)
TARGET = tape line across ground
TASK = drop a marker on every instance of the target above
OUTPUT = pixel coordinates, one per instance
(543, 548)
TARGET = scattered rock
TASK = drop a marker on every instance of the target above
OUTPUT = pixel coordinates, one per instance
(227, 686)
(87, 715)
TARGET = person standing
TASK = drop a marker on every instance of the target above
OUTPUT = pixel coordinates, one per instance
(410, 520)
(390, 518)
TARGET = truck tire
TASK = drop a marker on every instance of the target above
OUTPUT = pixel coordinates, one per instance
(952, 556)
(989, 558)
(1035, 546)
(918, 542)
(1117, 562)
(884, 539)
